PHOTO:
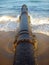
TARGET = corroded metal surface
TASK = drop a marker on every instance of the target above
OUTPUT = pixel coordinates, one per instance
(24, 53)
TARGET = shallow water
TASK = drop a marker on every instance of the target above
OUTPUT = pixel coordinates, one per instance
(36, 7)
(38, 11)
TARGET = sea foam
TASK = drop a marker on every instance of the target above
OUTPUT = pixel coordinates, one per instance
(38, 25)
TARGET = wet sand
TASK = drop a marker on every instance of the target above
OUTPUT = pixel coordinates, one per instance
(6, 48)
(43, 49)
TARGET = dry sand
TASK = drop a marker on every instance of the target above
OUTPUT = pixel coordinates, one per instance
(6, 48)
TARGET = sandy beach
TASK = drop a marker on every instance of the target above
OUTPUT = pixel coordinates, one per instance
(43, 49)
(6, 48)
